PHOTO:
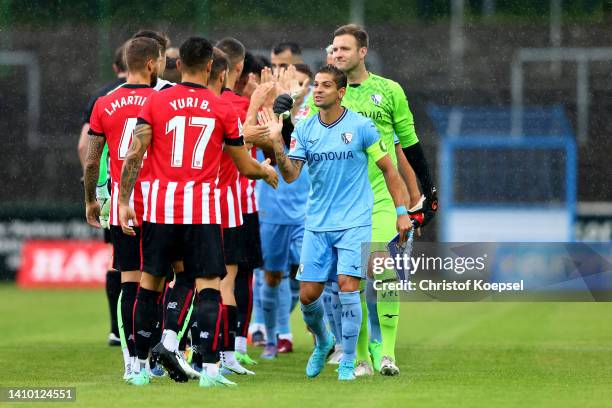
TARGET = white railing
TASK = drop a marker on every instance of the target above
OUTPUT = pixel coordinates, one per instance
(582, 56)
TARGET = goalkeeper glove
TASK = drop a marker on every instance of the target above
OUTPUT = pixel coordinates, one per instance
(282, 104)
(422, 213)
(104, 199)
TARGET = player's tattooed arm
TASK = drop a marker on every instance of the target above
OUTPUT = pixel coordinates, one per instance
(133, 161)
(90, 178)
(92, 166)
(289, 168)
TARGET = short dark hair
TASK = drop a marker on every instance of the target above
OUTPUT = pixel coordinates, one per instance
(253, 64)
(139, 51)
(356, 31)
(119, 59)
(304, 69)
(284, 46)
(233, 49)
(161, 38)
(220, 63)
(195, 53)
(339, 76)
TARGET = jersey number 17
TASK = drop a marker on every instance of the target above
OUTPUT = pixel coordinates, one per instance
(177, 126)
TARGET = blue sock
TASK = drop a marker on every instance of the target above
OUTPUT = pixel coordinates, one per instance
(270, 311)
(351, 323)
(314, 317)
(372, 312)
(284, 307)
(337, 311)
(257, 317)
(329, 310)
(294, 284)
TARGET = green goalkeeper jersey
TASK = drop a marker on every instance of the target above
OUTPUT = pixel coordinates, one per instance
(383, 101)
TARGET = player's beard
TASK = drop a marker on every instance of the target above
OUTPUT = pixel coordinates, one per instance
(154, 77)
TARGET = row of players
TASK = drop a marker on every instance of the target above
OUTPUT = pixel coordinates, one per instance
(171, 195)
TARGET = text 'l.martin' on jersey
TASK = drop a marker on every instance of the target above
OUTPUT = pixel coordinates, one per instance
(114, 117)
(190, 125)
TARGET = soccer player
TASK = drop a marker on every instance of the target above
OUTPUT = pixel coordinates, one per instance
(285, 54)
(171, 73)
(282, 215)
(113, 277)
(158, 83)
(336, 144)
(231, 212)
(246, 85)
(251, 244)
(384, 102)
(184, 128)
(112, 123)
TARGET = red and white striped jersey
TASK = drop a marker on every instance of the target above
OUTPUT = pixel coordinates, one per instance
(248, 202)
(190, 125)
(114, 117)
(247, 190)
(231, 211)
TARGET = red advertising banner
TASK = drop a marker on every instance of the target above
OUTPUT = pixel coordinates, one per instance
(63, 263)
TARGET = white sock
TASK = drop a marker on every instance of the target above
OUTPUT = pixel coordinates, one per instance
(170, 340)
(211, 369)
(241, 344)
(338, 347)
(140, 365)
(253, 327)
(126, 357)
(228, 358)
(286, 336)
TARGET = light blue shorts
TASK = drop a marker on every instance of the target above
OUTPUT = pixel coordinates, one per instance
(280, 246)
(326, 254)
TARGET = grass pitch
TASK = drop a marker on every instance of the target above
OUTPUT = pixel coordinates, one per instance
(450, 354)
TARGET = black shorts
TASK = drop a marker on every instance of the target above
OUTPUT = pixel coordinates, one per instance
(126, 249)
(198, 245)
(251, 242)
(107, 236)
(233, 245)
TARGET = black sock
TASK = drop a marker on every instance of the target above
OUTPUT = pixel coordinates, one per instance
(195, 335)
(145, 316)
(208, 316)
(177, 302)
(229, 328)
(128, 297)
(113, 288)
(243, 292)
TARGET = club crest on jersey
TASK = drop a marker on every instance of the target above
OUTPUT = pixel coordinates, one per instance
(292, 143)
(347, 137)
(376, 98)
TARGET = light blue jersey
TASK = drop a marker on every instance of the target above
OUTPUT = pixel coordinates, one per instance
(287, 204)
(340, 193)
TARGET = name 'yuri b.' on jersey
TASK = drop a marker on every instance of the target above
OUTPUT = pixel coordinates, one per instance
(114, 116)
(190, 125)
